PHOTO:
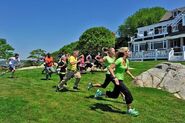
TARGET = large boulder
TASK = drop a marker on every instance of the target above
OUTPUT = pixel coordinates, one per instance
(167, 76)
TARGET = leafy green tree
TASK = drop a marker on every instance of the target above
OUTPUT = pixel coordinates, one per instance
(94, 39)
(6, 50)
(143, 17)
(37, 54)
(121, 42)
(69, 48)
(65, 49)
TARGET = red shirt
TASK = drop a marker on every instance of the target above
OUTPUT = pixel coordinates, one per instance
(49, 61)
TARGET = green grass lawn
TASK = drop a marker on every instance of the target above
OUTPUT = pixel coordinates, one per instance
(29, 99)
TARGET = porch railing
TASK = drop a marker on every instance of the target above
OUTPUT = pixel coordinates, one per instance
(177, 56)
(151, 54)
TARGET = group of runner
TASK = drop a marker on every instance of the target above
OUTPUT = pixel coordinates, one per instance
(116, 63)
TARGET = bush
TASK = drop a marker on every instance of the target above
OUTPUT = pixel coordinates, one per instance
(29, 63)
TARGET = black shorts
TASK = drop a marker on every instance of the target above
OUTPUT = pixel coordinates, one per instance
(108, 79)
(88, 65)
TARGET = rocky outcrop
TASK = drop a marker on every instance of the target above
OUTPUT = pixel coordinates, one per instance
(167, 76)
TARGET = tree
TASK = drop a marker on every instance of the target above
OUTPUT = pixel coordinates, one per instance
(121, 42)
(69, 48)
(37, 54)
(65, 49)
(143, 17)
(94, 39)
(6, 50)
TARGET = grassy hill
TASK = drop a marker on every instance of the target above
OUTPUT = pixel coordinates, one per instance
(30, 99)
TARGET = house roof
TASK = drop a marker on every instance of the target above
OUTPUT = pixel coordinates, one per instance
(169, 15)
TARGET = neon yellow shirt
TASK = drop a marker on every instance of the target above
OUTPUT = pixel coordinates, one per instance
(108, 62)
(74, 66)
(120, 68)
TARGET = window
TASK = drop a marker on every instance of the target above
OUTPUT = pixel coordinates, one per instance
(175, 28)
(174, 13)
(171, 43)
(164, 29)
(177, 42)
(136, 47)
(158, 45)
(183, 21)
(152, 45)
(160, 30)
(150, 32)
(164, 44)
(142, 46)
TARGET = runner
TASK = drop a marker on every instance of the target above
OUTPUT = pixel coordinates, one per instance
(82, 64)
(61, 68)
(71, 72)
(121, 66)
(88, 62)
(12, 63)
(97, 62)
(107, 60)
(49, 66)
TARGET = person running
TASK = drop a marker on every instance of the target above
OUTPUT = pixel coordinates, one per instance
(71, 72)
(107, 60)
(62, 65)
(121, 66)
(44, 70)
(97, 62)
(82, 64)
(88, 61)
(49, 62)
(12, 62)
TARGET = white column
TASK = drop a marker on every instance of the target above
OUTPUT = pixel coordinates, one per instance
(149, 45)
(167, 44)
(134, 47)
(138, 47)
(156, 55)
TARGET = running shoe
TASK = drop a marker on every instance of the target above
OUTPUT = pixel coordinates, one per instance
(90, 85)
(98, 93)
(133, 112)
(76, 88)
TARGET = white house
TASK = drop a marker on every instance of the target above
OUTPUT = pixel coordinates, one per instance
(163, 40)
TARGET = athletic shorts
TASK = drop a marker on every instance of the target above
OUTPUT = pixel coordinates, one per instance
(11, 67)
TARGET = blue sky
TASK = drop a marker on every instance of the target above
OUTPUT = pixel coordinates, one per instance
(51, 24)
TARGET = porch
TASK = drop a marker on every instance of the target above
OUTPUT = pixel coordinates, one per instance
(150, 54)
(170, 47)
(168, 54)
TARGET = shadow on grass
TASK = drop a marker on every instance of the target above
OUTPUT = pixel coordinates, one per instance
(65, 90)
(45, 79)
(104, 99)
(106, 108)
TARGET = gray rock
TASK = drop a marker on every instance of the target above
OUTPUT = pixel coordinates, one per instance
(182, 92)
(157, 76)
(167, 76)
(177, 95)
(163, 67)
